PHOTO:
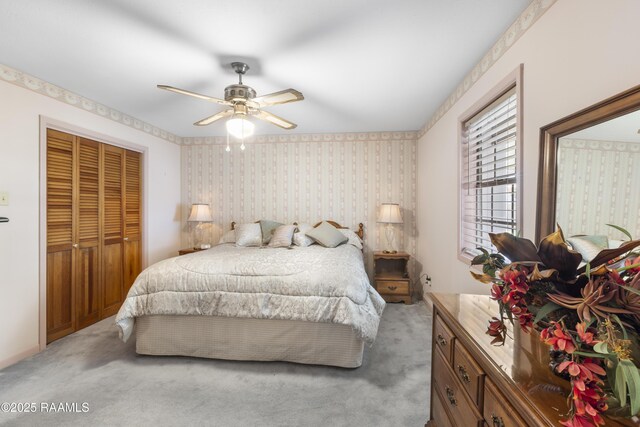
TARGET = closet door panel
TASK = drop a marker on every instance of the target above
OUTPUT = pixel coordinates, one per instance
(133, 218)
(88, 208)
(60, 235)
(113, 230)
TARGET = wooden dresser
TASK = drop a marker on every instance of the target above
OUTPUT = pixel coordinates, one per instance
(474, 383)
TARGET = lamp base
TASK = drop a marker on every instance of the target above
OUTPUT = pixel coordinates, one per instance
(389, 252)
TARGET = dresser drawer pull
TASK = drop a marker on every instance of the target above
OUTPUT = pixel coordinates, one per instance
(463, 374)
(497, 421)
(441, 340)
(451, 396)
(392, 288)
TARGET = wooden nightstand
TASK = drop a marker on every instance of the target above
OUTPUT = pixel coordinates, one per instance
(391, 276)
(189, 251)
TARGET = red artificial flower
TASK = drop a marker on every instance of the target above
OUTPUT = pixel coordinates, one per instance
(557, 338)
(496, 327)
(635, 261)
(496, 292)
(585, 336)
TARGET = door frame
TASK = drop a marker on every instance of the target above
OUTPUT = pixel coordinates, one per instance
(50, 123)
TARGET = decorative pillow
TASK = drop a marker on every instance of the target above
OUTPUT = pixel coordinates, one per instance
(282, 236)
(228, 237)
(588, 246)
(268, 227)
(354, 239)
(248, 234)
(327, 235)
(300, 238)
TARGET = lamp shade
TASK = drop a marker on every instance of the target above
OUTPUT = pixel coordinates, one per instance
(200, 212)
(390, 213)
(240, 127)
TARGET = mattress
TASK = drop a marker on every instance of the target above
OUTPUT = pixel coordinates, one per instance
(249, 339)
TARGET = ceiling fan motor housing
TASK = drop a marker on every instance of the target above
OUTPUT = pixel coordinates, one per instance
(238, 93)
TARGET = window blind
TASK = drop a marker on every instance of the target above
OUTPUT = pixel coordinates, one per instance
(489, 174)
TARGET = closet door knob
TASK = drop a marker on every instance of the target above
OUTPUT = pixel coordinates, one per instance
(125, 239)
(75, 245)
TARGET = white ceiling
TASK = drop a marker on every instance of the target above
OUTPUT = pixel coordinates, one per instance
(362, 65)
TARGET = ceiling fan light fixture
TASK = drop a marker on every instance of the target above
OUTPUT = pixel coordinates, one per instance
(240, 127)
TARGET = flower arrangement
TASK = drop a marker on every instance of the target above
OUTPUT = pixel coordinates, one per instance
(588, 314)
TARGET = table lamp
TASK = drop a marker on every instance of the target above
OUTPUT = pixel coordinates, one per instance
(390, 214)
(200, 212)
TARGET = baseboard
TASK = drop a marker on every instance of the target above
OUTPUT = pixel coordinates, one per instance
(18, 357)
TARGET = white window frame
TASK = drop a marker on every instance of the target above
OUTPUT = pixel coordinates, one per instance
(514, 79)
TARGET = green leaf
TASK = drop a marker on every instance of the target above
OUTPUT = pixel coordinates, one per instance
(621, 385)
(622, 328)
(545, 310)
(588, 354)
(601, 348)
(622, 230)
(632, 378)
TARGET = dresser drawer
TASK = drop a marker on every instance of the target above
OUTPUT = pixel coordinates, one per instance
(461, 408)
(443, 338)
(395, 287)
(469, 373)
(497, 410)
(438, 413)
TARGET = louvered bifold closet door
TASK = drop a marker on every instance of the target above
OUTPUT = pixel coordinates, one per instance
(87, 264)
(133, 218)
(60, 235)
(113, 229)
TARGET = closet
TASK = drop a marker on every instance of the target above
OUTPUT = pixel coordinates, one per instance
(93, 230)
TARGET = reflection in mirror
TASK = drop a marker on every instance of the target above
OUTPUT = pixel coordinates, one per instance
(593, 178)
(598, 180)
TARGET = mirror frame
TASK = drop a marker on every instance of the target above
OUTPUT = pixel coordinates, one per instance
(616, 106)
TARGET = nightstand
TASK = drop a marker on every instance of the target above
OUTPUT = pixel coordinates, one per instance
(189, 251)
(391, 276)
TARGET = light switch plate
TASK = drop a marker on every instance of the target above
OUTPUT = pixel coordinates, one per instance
(4, 198)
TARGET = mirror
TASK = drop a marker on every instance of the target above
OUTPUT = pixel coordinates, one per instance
(590, 170)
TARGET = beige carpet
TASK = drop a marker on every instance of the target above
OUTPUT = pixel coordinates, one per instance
(391, 388)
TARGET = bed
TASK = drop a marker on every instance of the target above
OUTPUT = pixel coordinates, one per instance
(311, 305)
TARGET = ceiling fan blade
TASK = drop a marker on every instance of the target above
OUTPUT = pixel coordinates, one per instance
(278, 121)
(217, 116)
(282, 97)
(195, 95)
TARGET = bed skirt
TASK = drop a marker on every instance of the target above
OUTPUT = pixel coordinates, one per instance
(249, 339)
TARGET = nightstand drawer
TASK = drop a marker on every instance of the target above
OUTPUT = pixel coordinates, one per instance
(399, 287)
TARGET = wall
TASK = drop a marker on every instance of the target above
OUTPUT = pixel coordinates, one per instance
(607, 173)
(576, 54)
(305, 179)
(20, 111)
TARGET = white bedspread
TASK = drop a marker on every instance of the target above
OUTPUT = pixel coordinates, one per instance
(313, 284)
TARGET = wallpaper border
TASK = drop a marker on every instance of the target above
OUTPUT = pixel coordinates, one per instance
(531, 14)
(34, 84)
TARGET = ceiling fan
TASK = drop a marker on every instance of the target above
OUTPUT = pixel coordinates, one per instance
(243, 104)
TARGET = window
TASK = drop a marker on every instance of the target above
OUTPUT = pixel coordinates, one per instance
(490, 175)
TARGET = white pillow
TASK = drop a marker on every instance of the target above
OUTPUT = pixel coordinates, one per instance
(281, 237)
(354, 239)
(228, 237)
(300, 238)
(248, 234)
